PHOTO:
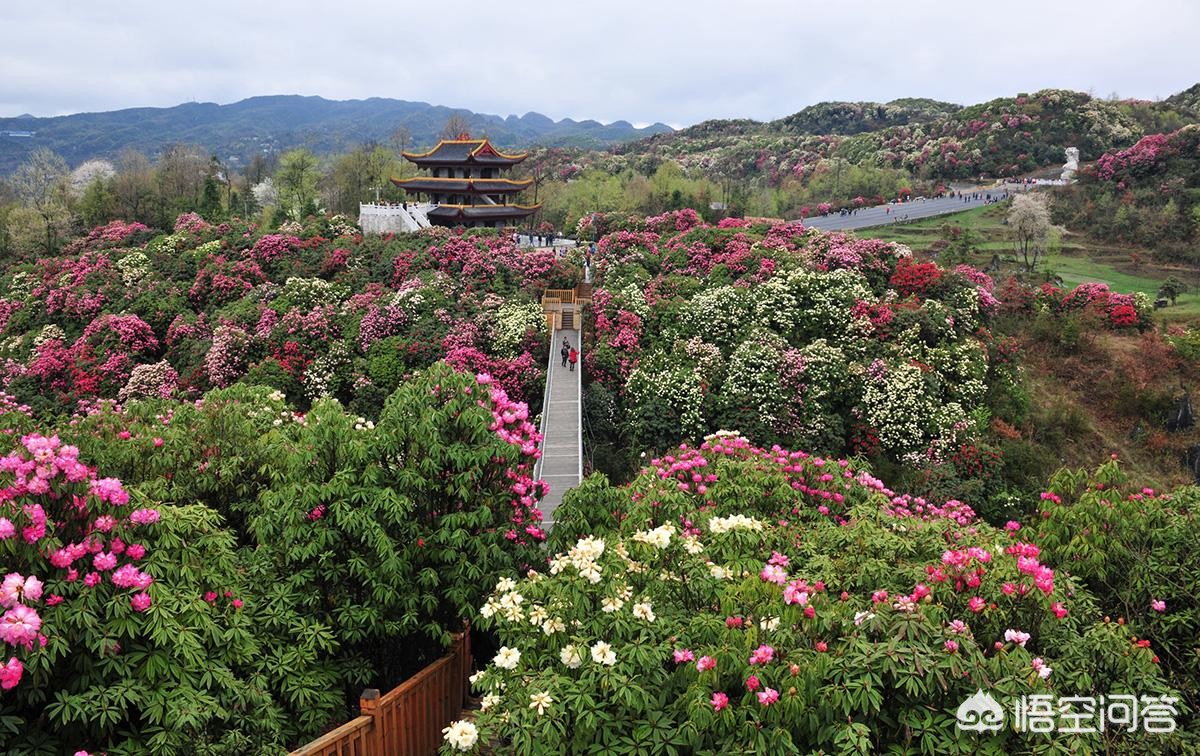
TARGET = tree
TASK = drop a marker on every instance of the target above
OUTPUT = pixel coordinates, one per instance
(1029, 219)
(456, 125)
(41, 184)
(87, 174)
(98, 205)
(1172, 288)
(133, 186)
(297, 182)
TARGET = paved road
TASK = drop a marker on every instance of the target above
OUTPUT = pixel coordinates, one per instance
(882, 215)
(562, 447)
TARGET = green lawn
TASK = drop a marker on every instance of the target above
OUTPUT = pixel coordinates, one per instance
(1093, 263)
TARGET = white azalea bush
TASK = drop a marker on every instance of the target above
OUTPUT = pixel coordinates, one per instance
(739, 600)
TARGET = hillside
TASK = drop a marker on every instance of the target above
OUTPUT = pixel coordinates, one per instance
(932, 140)
(235, 131)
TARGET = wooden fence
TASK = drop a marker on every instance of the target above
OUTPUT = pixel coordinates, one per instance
(407, 720)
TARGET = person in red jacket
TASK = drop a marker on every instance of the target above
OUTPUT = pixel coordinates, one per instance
(573, 358)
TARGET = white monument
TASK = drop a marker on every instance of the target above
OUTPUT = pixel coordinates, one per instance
(1072, 164)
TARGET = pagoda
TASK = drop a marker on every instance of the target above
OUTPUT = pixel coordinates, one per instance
(465, 185)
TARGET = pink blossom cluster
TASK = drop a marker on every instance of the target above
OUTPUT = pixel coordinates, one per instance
(73, 287)
(191, 223)
(271, 247)
(510, 421)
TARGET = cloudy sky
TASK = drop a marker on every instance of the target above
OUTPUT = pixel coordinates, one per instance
(638, 60)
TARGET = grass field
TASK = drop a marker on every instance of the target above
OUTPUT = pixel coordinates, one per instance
(1079, 261)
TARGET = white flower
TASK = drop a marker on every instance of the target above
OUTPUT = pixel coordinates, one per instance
(659, 538)
(692, 545)
(587, 550)
(476, 677)
(557, 564)
(602, 653)
(512, 613)
(505, 585)
(1044, 672)
(488, 609)
(590, 572)
(643, 611)
(862, 617)
(507, 658)
(540, 701)
(611, 604)
(488, 701)
(553, 625)
(461, 735)
(571, 657)
(719, 572)
(768, 623)
(734, 522)
(538, 615)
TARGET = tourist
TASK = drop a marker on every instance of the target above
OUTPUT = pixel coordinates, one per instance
(566, 351)
(574, 357)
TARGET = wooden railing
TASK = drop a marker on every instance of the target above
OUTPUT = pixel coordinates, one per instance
(408, 719)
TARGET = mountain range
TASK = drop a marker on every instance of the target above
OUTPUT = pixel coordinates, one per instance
(275, 123)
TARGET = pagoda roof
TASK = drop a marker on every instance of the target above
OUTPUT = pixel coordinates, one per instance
(480, 212)
(428, 184)
(459, 151)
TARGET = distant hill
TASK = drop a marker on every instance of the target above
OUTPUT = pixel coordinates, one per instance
(274, 123)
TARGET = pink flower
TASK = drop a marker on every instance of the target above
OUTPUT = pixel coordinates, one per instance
(1012, 526)
(705, 663)
(958, 627)
(1158, 605)
(104, 561)
(144, 516)
(210, 597)
(951, 647)
(136, 551)
(1016, 636)
(91, 579)
(1059, 610)
(158, 442)
(19, 626)
(53, 599)
(719, 701)
(10, 673)
(976, 604)
(683, 656)
(237, 603)
(17, 588)
(733, 622)
(752, 683)
(762, 655)
(768, 696)
(810, 612)
(822, 646)
(140, 602)
(7, 529)
(773, 573)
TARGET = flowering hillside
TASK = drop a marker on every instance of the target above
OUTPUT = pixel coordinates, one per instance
(819, 341)
(311, 310)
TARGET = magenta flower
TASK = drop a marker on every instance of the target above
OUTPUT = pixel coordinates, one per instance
(140, 602)
(104, 561)
(719, 701)
(17, 588)
(1059, 610)
(1158, 605)
(773, 573)
(705, 663)
(951, 647)
(144, 516)
(752, 683)
(976, 604)
(768, 696)
(7, 529)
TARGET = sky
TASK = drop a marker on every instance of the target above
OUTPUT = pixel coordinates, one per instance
(641, 61)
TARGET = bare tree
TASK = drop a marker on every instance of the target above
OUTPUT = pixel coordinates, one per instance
(1029, 219)
(133, 185)
(456, 126)
(41, 183)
